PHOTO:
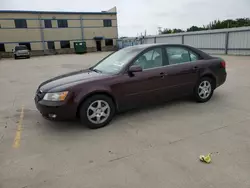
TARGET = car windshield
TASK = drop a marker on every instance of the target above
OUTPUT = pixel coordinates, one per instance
(20, 48)
(115, 62)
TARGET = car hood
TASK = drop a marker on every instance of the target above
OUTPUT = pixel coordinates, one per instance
(69, 79)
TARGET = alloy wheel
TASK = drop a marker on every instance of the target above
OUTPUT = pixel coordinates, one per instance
(98, 111)
(204, 89)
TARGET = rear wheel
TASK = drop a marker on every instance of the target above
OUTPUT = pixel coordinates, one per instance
(15, 56)
(97, 111)
(204, 90)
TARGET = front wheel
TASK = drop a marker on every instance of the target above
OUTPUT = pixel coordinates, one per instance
(204, 90)
(97, 111)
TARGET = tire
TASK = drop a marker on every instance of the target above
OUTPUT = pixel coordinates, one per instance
(28, 57)
(90, 111)
(15, 56)
(202, 93)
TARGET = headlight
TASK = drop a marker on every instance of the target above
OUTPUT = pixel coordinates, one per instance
(60, 96)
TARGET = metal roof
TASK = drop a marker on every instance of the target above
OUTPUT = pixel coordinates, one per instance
(54, 12)
(203, 32)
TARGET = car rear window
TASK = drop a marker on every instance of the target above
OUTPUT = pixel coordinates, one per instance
(177, 55)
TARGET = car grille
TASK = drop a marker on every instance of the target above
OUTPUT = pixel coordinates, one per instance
(22, 53)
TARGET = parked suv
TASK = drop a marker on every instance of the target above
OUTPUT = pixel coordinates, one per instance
(21, 51)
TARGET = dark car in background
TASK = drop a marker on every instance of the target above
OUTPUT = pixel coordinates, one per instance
(129, 78)
(21, 51)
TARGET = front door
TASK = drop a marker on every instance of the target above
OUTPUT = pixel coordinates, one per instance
(182, 71)
(143, 88)
(98, 45)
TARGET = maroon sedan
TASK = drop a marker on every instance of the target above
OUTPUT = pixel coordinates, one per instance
(130, 78)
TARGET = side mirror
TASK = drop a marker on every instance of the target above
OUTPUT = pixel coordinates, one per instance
(135, 68)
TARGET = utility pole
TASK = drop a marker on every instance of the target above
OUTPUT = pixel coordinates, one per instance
(159, 30)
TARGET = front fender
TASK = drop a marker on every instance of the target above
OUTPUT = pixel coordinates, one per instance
(81, 96)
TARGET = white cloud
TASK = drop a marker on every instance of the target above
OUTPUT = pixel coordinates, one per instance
(136, 16)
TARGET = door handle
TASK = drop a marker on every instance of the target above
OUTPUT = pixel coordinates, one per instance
(195, 68)
(162, 74)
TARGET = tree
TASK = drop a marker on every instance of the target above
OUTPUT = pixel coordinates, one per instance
(165, 31)
(216, 24)
(195, 28)
(240, 22)
(169, 31)
(177, 30)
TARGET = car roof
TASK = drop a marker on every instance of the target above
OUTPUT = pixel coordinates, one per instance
(142, 47)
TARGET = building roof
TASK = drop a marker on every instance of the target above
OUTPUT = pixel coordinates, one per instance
(54, 12)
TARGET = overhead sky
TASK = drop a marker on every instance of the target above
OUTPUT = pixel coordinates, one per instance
(136, 16)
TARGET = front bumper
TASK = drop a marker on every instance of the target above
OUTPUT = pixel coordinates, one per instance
(22, 54)
(59, 110)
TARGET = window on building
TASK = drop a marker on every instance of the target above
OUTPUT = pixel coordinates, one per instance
(2, 48)
(20, 23)
(107, 23)
(108, 42)
(25, 44)
(65, 44)
(51, 45)
(47, 23)
(62, 23)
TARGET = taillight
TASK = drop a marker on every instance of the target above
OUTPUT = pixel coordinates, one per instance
(223, 64)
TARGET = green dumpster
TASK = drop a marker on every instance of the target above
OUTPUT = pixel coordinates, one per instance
(80, 47)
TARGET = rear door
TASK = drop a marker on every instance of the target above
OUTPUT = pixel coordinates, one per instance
(182, 71)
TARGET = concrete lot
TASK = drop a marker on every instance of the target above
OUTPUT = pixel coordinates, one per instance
(154, 147)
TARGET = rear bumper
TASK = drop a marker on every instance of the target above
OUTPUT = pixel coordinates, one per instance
(62, 111)
(221, 79)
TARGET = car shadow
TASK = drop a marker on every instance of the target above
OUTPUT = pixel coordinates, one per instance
(76, 125)
(154, 107)
(21, 58)
(64, 126)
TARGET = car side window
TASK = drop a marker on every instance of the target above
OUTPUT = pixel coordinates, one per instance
(177, 55)
(150, 59)
(193, 56)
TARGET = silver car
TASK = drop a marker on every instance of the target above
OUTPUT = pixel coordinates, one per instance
(21, 51)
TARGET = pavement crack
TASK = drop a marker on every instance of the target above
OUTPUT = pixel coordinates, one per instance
(1, 138)
(205, 132)
(119, 158)
(14, 101)
(209, 131)
(175, 141)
